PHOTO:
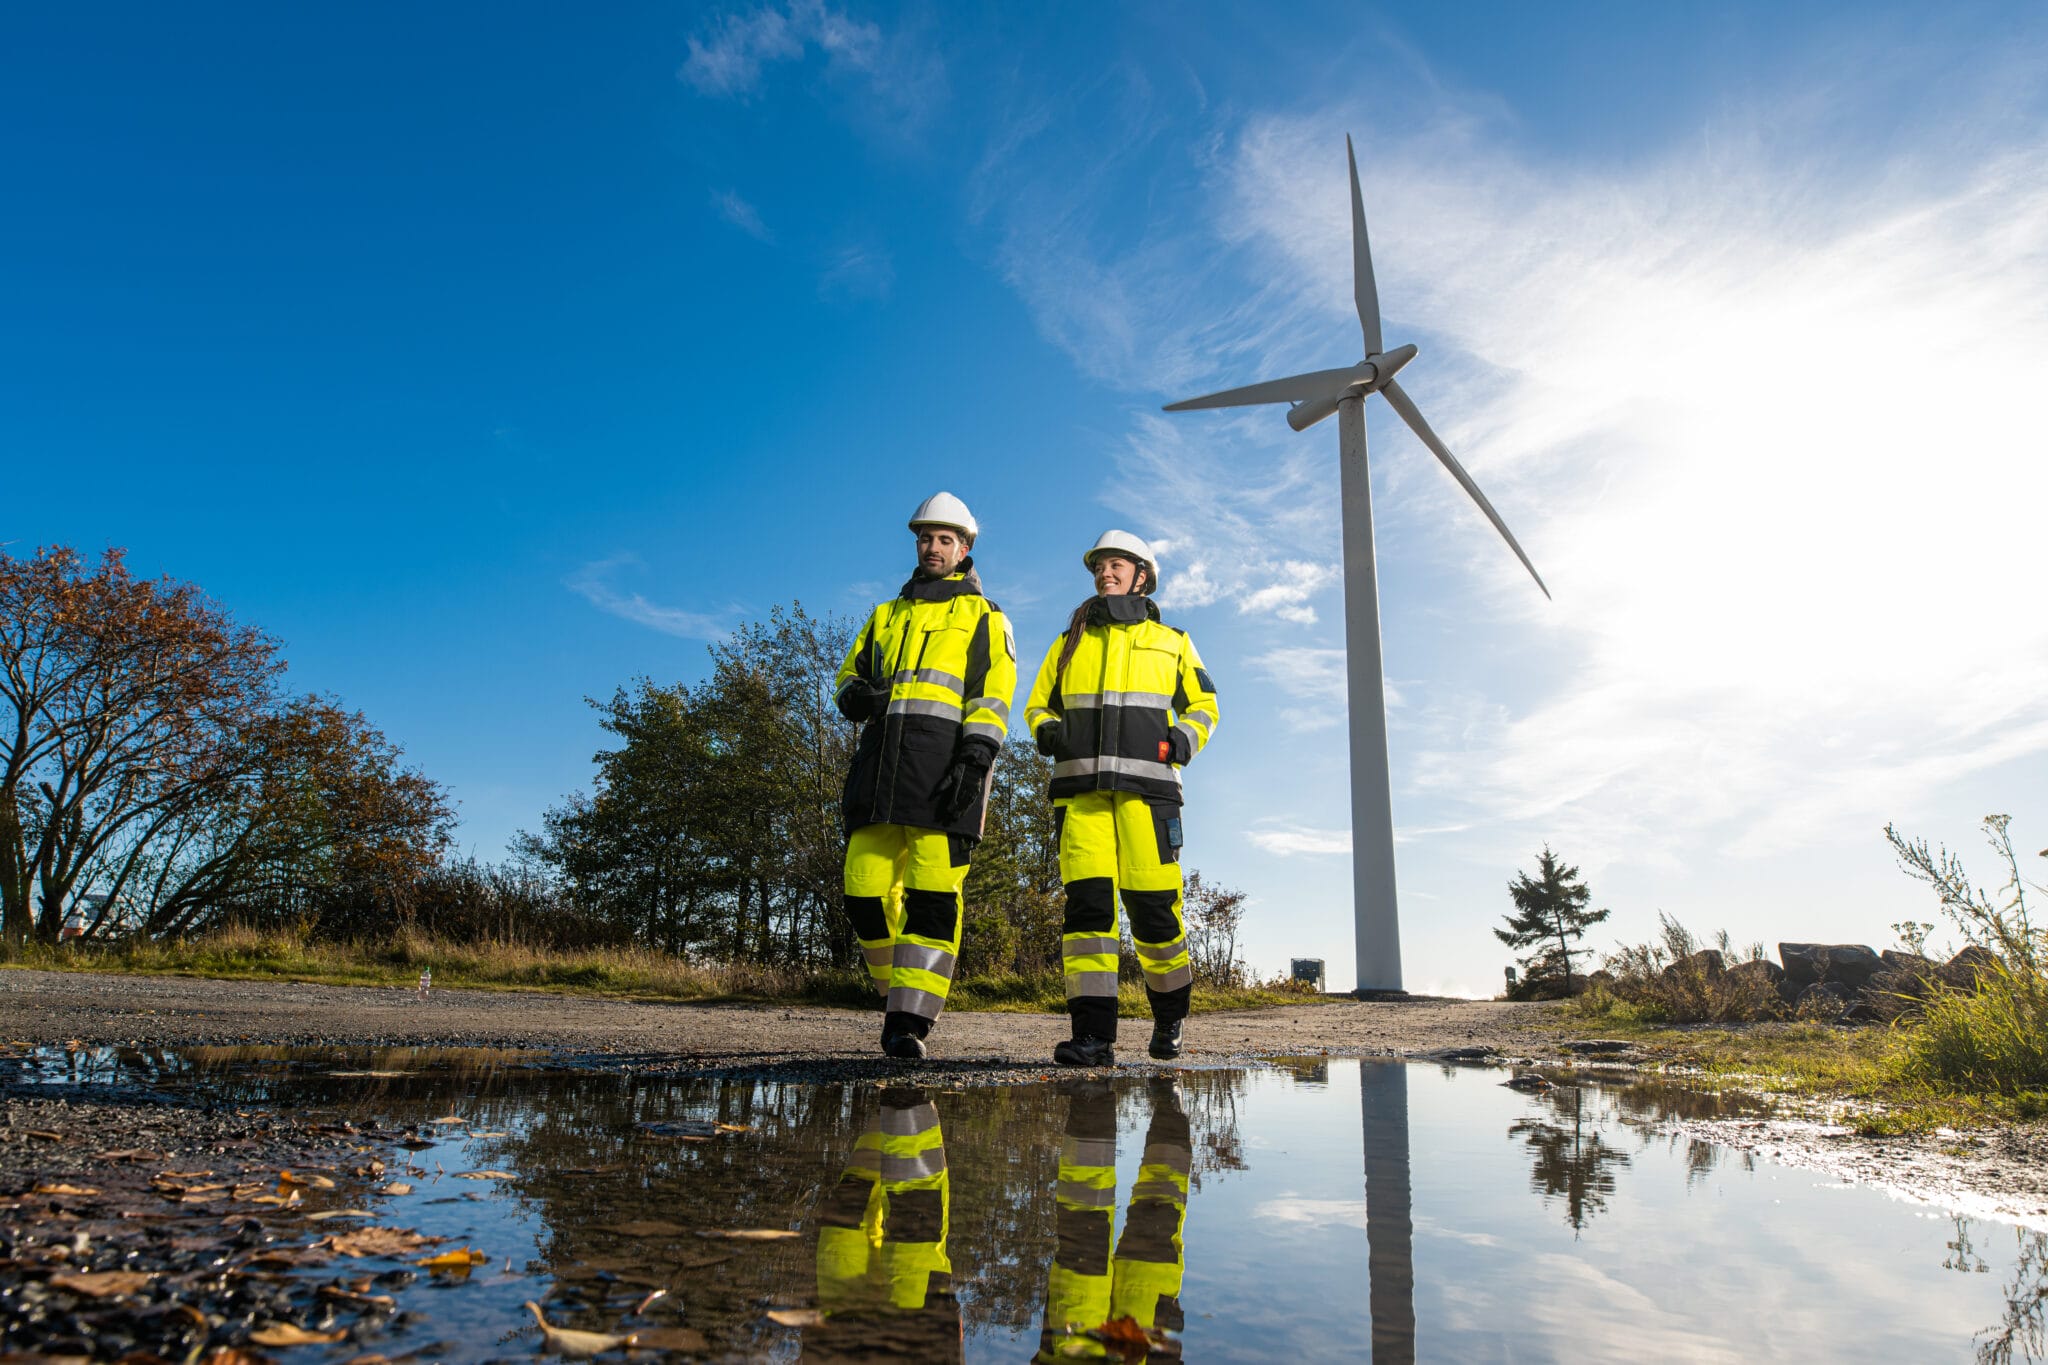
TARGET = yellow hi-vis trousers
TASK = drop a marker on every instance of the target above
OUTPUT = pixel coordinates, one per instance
(1087, 1286)
(882, 1245)
(903, 895)
(1117, 846)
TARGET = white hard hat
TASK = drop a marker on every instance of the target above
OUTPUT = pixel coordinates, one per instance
(1128, 545)
(943, 509)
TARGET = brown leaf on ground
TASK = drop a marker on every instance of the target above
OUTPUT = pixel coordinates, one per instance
(99, 1284)
(182, 1175)
(751, 1234)
(452, 1118)
(325, 1214)
(234, 1355)
(647, 1227)
(131, 1154)
(43, 1133)
(396, 1187)
(672, 1339)
(462, 1258)
(485, 1175)
(378, 1242)
(574, 1343)
(286, 1258)
(796, 1317)
(65, 1189)
(318, 1182)
(357, 1297)
(289, 1334)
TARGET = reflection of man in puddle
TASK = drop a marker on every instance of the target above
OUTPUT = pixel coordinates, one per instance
(885, 1283)
(1088, 1286)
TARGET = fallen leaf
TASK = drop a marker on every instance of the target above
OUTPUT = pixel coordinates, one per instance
(43, 1133)
(284, 1258)
(641, 1307)
(318, 1182)
(647, 1227)
(232, 1355)
(396, 1187)
(326, 1214)
(485, 1175)
(132, 1154)
(796, 1317)
(750, 1234)
(489, 1135)
(357, 1297)
(672, 1339)
(98, 1284)
(377, 1242)
(461, 1258)
(452, 1118)
(65, 1189)
(286, 1334)
(573, 1343)
(183, 1175)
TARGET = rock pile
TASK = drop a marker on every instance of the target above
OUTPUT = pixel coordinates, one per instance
(1846, 982)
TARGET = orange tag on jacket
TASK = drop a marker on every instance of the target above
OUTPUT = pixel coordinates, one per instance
(1165, 751)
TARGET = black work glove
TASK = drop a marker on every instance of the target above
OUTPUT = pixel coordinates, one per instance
(960, 788)
(1050, 737)
(1183, 747)
(863, 700)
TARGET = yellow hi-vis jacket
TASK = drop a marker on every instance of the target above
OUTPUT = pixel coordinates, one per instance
(950, 660)
(1132, 686)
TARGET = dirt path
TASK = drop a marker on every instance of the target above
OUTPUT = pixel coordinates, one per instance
(54, 1007)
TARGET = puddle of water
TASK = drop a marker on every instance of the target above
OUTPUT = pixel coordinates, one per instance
(1307, 1211)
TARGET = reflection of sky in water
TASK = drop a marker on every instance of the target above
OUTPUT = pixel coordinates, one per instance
(1543, 1226)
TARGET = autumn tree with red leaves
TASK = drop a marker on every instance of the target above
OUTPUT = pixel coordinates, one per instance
(149, 756)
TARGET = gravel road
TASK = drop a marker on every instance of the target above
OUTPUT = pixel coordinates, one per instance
(54, 1007)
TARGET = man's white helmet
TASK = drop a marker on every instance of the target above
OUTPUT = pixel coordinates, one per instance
(943, 509)
(1124, 543)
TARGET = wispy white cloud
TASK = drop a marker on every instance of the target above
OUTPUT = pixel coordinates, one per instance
(897, 72)
(593, 583)
(741, 214)
(858, 272)
(1289, 841)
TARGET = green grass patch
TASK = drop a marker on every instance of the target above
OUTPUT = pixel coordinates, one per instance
(623, 973)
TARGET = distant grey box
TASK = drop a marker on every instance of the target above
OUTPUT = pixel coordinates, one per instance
(1309, 969)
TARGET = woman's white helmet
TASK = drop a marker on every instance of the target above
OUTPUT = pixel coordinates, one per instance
(1130, 546)
(943, 509)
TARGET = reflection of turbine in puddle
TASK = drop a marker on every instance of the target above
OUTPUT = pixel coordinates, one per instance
(1389, 1223)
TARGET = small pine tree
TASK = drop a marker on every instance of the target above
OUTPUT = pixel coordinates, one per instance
(1550, 912)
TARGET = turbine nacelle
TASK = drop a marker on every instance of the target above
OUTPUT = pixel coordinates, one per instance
(1372, 373)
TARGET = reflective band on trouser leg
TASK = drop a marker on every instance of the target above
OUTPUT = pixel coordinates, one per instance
(1151, 893)
(874, 895)
(928, 936)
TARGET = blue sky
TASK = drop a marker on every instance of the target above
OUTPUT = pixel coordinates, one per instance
(491, 357)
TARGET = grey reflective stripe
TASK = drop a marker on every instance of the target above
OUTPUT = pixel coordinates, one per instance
(926, 1163)
(918, 1118)
(1086, 1195)
(1083, 700)
(932, 675)
(1194, 735)
(1174, 1156)
(984, 729)
(1157, 701)
(910, 1000)
(935, 960)
(995, 704)
(1134, 767)
(1169, 981)
(1088, 1152)
(1090, 983)
(913, 706)
(878, 955)
(865, 1159)
(1163, 952)
(1035, 716)
(1077, 946)
(881, 984)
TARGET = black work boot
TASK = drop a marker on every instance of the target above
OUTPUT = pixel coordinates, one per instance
(1085, 1051)
(1165, 1040)
(903, 1036)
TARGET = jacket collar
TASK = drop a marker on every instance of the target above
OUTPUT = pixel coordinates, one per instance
(1125, 609)
(962, 582)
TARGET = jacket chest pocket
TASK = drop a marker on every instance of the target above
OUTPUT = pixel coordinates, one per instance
(944, 647)
(1152, 670)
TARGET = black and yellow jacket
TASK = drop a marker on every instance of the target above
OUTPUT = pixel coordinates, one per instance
(1132, 685)
(950, 661)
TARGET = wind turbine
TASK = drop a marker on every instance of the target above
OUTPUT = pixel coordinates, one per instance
(1315, 396)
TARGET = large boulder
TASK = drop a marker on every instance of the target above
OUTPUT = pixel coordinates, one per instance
(1826, 1000)
(1962, 970)
(1705, 962)
(1760, 968)
(1851, 964)
(1907, 973)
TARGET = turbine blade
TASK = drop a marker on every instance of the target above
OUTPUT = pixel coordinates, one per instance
(1404, 405)
(1296, 388)
(1363, 289)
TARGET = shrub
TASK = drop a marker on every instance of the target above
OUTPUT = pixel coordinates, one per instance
(1675, 979)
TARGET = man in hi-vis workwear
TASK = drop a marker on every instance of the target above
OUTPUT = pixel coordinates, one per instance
(1088, 1286)
(930, 677)
(885, 1282)
(1121, 703)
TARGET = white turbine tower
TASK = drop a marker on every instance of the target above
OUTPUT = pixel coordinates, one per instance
(1315, 396)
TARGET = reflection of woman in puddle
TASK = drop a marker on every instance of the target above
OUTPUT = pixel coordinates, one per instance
(885, 1283)
(1088, 1286)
